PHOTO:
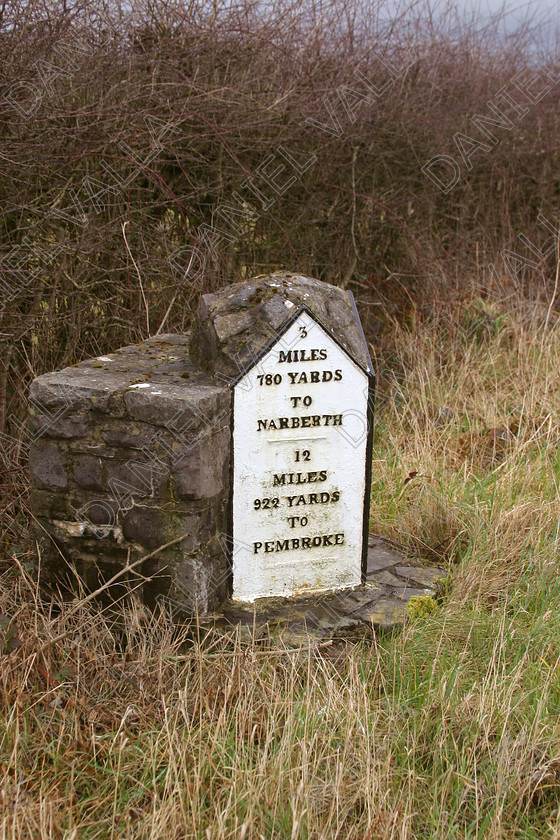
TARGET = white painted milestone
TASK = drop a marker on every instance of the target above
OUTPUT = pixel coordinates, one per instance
(299, 467)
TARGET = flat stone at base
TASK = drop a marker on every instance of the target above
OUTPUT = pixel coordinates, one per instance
(379, 604)
(420, 575)
(380, 556)
(386, 578)
(387, 613)
(378, 563)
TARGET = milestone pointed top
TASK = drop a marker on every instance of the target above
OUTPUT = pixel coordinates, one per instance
(232, 326)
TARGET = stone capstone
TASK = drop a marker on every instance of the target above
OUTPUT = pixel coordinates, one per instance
(233, 325)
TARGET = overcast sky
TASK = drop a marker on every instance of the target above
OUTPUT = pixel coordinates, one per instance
(544, 13)
(538, 19)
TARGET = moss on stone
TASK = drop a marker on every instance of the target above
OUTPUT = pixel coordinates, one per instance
(420, 606)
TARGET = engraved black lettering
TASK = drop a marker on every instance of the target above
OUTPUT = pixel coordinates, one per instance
(337, 375)
(292, 374)
(300, 422)
(295, 543)
(327, 375)
(323, 353)
(279, 479)
(285, 357)
(315, 376)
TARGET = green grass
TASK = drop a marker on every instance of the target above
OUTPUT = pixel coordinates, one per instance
(448, 728)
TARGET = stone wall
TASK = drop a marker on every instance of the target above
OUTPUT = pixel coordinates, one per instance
(131, 451)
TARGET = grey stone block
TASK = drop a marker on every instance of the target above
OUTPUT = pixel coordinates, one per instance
(182, 409)
(110, 468)
(200, 470)
(79, 389)
(87, 473)
(147, 526)
(59, 425)
(47, 466)
(138, 476)
(127, 434)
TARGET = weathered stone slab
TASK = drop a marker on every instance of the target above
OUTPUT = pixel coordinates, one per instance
(385, 577)
(419, 575)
